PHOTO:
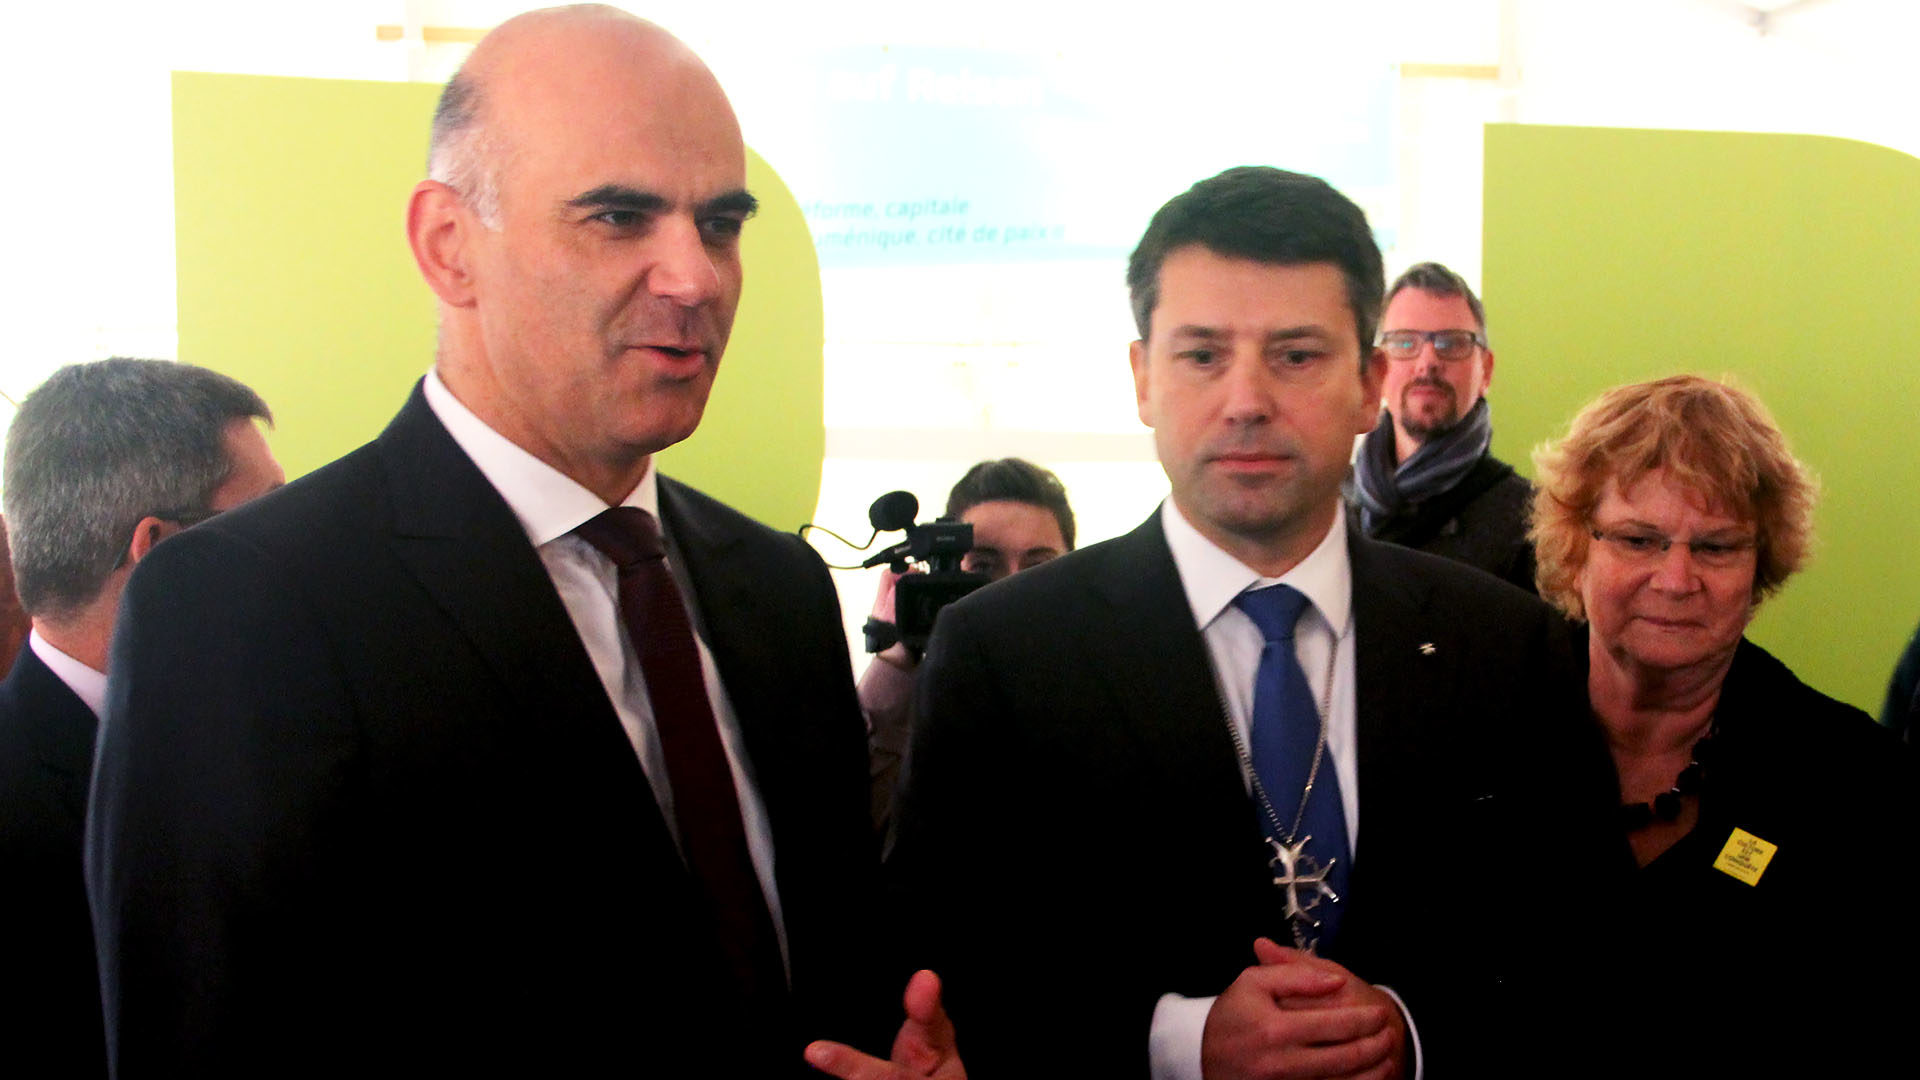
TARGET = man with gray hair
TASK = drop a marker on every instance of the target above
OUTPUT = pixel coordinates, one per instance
(1424, 477)
(103, 461)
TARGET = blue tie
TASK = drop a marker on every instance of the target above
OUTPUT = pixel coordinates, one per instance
(1283, 739)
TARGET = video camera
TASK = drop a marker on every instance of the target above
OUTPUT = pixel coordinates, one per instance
(918, 597)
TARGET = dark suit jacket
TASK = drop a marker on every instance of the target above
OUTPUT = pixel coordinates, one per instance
(49, 990)
(1480, 521)
(362, 801)
(1074, 819)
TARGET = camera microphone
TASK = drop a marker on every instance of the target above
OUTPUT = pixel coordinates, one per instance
(928, 565)
(892, 511)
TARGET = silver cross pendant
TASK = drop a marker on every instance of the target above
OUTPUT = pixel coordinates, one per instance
(1295, 872)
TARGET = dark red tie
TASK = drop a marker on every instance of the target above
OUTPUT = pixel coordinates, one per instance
(706, 809)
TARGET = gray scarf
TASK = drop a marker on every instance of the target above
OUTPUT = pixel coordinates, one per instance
(1438, 465)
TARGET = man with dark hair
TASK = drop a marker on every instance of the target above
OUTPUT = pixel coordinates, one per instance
(1020, 518)
(1424, 477)
(1020, 485)
(1266, 215)
(485, 749)
(1133, 808)
(104, 460)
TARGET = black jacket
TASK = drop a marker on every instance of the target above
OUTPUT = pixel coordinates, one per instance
(1481, 521)
(50, 990)
(1074, 827)
(363, 802)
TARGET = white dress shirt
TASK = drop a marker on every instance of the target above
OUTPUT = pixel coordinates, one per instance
(550, 505)
(87, 684)
(1212, 579)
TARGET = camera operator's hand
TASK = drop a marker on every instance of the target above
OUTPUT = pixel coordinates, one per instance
(896, 654)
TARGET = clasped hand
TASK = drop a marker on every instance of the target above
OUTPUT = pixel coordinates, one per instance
(1294, 1014)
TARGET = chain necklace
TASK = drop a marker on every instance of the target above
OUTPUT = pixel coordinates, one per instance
(1297, 869)
(1665, 807)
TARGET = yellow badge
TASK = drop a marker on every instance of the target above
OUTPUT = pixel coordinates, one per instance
(1746, 856)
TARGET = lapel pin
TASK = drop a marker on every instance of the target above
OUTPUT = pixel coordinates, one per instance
(1426, 648)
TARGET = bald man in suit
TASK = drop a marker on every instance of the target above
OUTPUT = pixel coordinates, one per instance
(487, 749)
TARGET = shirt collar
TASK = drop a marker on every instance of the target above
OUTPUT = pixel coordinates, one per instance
(88, 685)
(1212, 578)
(549, 503)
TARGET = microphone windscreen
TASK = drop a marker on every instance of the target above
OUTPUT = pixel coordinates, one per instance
(894, 510)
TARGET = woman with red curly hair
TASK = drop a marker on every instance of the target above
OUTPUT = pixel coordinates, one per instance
(1770, 821)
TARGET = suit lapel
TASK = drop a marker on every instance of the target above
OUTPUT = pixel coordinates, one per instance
(1166, 699)
(463, 544)
(1393, 677)
(1166, 690)
(1164, 684)
(703, 550)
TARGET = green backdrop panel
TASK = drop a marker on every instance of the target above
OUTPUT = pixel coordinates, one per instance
(1789, 262)
(294, 276)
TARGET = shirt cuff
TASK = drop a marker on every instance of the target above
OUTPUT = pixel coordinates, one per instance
(1173, 1042)
(1413, 1031)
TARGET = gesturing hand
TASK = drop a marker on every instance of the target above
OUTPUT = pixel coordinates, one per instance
(924, 1046)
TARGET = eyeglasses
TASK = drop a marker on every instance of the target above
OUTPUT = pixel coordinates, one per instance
(186, 518)
(1447, 344)
(1645, 546)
